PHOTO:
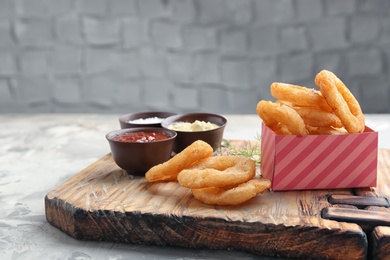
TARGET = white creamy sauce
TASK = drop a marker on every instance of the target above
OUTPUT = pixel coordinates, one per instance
(192, 127)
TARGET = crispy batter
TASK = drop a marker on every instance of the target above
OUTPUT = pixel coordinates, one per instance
(299, 96)
(213, 180)
(218, 171)
(317, 117)
(233, 196)
(169, 170)
(276, 115)
(325, 130)
(332, 110)
(341, 100)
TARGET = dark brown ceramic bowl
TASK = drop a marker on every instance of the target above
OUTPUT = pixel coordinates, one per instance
(184, 139)
(138, 158)
(125, 120)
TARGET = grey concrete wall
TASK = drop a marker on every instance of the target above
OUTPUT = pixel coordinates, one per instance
(119, 56)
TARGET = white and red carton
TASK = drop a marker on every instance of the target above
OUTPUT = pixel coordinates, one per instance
(311, 162)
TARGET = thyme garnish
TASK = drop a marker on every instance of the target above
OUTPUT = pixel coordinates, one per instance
(249, 149)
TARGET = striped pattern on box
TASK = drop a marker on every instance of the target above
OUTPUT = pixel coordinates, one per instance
(319, 161)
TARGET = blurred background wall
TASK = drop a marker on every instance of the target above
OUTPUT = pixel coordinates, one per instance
(120, 56)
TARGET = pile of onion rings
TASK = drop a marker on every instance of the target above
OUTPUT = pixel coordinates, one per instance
(215, 180)
(300, 110)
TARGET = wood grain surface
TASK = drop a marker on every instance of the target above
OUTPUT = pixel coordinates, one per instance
(102, 202)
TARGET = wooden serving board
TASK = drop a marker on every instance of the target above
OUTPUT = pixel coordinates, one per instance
(102, 202)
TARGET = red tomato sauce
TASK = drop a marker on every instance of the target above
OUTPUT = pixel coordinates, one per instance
(140, 137)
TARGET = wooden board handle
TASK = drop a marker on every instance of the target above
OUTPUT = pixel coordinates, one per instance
(358, 201)
(364, 218)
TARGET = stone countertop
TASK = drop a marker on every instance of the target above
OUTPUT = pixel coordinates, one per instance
(40, 152)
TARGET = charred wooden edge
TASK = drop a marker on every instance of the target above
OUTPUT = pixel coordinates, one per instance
(358, 201)
(194, 232)
(64, 216)
(379, 247)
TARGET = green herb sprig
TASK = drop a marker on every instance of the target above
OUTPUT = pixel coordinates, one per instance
(249, 150)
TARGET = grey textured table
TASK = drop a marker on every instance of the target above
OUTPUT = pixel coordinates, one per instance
(39, 152)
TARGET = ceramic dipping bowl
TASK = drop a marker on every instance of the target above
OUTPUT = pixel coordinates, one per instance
(138, 157)
(185, 138)
(143, 119)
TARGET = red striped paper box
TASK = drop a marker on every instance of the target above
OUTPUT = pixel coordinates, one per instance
(309, 162)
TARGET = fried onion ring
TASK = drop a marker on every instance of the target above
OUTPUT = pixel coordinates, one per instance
(325, 130)
(274, 113)
(341, 100)
(218, 171)
(169, 170)
(280, 129)
(233, 196)
(317, 117)
(299, 95)
(314, 116)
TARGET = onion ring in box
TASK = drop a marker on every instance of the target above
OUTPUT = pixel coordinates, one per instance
(341, 100)
(325, 130)
(169, 170)
(299, 95)
(314, 116)
(277, 127)
(218, 171)
(317, 117)
(280, 129)
(233, 196)
(272, 113)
